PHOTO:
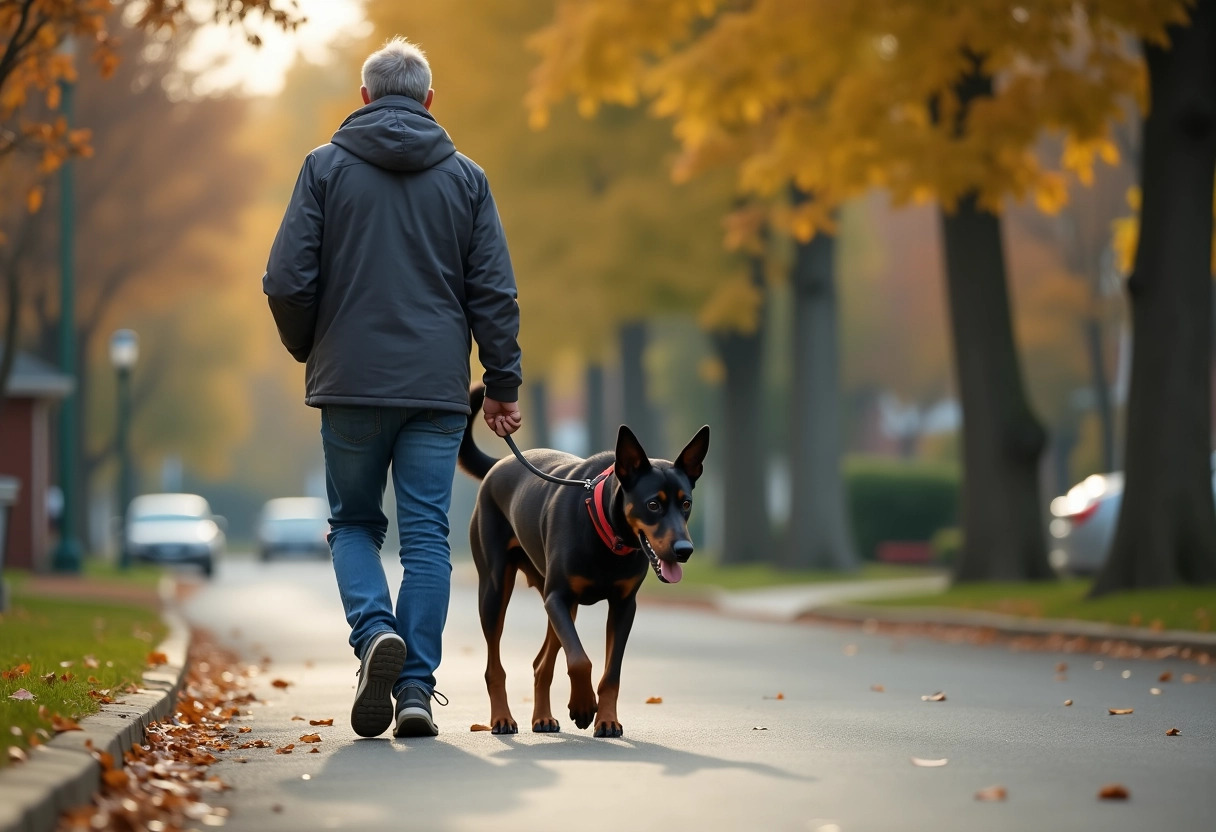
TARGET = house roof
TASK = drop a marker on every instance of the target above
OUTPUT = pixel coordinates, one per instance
(34, 378)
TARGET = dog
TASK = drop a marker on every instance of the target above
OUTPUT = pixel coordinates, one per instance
(578, 546)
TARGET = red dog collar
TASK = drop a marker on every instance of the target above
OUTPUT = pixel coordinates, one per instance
(599, 518)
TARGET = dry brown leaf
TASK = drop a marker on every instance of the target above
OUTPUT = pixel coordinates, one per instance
(285, 749)
(1173, 732)
(297, 719)
(992, 794)
(329, 721)
(877, 688)
(1155, 691)
(936, 697)
(245, 729)
(22, 695)
(1114, 791)
(655, 700)
(1189, 678)
(48, 679)
(1120, 711)
(314, 750)
(1166, 675)
(16, 672)
(66, 677)
(17, 755)
(1062, 667)
(759, 728)
(62, 724)
(310, 738)
(477, 726)
(281, 683)
(116, 778)
(157, 658)
(1068, 703)
(91, 662)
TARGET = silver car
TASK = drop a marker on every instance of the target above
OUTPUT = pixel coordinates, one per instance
(174, 528)
(1083, 522)
(293, 525)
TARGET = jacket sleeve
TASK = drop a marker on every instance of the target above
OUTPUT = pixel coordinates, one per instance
(491, 300)
(293, 270)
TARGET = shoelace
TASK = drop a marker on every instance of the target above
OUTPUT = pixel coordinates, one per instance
(436, 695)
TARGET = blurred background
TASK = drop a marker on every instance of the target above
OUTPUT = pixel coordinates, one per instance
(658, 287)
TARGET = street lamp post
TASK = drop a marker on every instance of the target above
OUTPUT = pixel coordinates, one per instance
(69, 553)
(124, 352)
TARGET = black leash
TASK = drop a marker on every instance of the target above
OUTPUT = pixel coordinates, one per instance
(586, 484)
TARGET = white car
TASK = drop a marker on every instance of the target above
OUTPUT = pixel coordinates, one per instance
(174, 528)
(294, 525)
(1083, 522)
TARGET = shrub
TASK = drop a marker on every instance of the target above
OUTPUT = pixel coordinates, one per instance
(899, 500)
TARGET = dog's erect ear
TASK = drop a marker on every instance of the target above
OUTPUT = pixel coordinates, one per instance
(690, 459)
(631, 459)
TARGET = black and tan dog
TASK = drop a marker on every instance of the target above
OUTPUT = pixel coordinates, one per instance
(577, 546)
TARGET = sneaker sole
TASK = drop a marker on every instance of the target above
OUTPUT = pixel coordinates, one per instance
(415, 722)
(372, 712)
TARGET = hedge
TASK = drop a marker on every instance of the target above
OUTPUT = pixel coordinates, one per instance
(899, 500)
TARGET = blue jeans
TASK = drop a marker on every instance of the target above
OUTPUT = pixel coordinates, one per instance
(360, 443)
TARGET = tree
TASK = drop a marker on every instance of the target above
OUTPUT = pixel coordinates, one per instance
(838, 96)
(1166, 533)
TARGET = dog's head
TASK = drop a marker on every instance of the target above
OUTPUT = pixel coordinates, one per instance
(658, 499)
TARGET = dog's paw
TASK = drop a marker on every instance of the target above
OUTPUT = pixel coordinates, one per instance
(609, 728)
(583, 707)
(504, 726)
(548, 725)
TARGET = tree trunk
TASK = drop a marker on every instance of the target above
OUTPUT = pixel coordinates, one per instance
(12, 293)
(747, 537)
(1166, 532)
(1002, 511)
(538, 416)
(819, 533)
(597, 436)
(1101, 387)
(638, 414)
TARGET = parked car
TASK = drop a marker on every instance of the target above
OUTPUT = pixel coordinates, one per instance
(174, 528)
(1083, 522)
(294, 525)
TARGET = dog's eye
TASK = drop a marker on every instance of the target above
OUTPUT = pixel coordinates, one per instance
(653, 505)
(687, 506)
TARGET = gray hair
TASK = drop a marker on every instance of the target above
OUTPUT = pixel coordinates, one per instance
(397, 68)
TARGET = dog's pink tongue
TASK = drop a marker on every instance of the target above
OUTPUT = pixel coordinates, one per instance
(672, 572)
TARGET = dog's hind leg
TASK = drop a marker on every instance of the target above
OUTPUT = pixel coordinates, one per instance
(543, 720)
(496, 579)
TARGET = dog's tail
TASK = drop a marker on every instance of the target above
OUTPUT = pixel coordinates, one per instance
(473, 460)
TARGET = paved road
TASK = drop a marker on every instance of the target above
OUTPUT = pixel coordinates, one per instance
(836, 756)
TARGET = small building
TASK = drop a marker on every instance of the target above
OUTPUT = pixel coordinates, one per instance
(25, 453)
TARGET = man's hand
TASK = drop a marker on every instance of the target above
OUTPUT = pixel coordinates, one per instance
(502, 417)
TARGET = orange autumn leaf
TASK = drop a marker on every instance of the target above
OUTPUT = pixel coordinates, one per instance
(245, 729)
(477, 726)
(287, 749)
(655, 700)
(157, 658)
(992, 794)
(16, 672)
(1120, 711)
(1114, 791)
(877, 688)
(329, 721)
(1173, 732)
(116, 778)
(281, 683)
(310, 738)
(33, 199)
(62, 724)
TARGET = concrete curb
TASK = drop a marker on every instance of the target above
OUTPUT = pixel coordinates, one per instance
(63, 774)
(1012, 625)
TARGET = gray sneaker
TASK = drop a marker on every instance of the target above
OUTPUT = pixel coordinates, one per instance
(373, 709)
(414, 713)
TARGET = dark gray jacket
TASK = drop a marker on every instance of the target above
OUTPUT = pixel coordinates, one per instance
(391, 254)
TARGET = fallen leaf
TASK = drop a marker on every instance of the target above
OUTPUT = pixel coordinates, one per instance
(655, 700)
(16, 672)
(314, 750)
(66, 664)
(759, 728)
(62, 724)
(285, 749)
(923, 763)
(310, 738)
(278, 807)
(91, 662)
(850, 650)
(778, 696)
(22, 695)
(1173, 732)
(1155, 691)
(877, 688)
(66, 677)
(477, 726)
(936, 697)
(1189, 678)
(17, 755)
(1166, 675)
(297, 718)
(329, 721)
(93, 680)
(1120, 711)
(116, 778)
(1114, 791)
(1061, 667)
(992, 794)
(157, 658)
(1068, 703)
(48, 679)
(281, 683)
(244, 729)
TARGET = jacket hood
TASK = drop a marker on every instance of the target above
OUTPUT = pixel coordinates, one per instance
(395, 132)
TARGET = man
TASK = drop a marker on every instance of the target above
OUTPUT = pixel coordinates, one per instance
(390, 256)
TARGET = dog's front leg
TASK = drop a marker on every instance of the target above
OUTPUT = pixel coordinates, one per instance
(620, 622)
(562, 608)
